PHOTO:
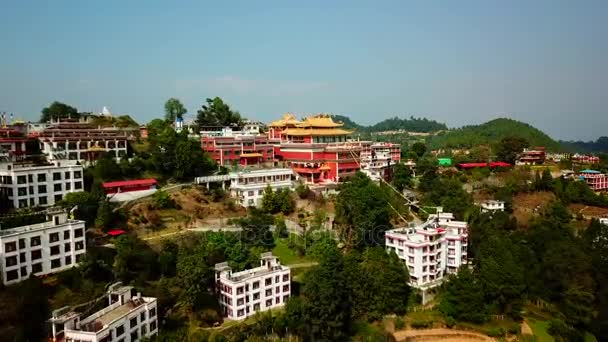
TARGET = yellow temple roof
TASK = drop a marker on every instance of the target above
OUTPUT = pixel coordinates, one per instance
(288, 119)
(316, 131)
(320, 120)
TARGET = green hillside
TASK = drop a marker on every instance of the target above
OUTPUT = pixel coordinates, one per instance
(410, 124)
(490, 133)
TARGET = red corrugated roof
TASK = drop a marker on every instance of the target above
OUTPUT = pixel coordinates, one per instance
(148, 181)
(472, 165)
(499, 164)
(116, 232)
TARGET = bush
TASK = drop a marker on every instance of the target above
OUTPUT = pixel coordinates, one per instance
(162, 200)
(450, 322)
(421, 324)
(399, 323)
(496, 332)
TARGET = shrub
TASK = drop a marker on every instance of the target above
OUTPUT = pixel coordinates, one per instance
(162, 200)
(496, 332)
(399, 323)
(421, 324)
(450, 322)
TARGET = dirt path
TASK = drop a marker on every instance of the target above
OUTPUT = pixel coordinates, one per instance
(443, 335)
(525, 329)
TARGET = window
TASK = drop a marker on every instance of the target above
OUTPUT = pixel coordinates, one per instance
(79, 245)
(120, 330)
(37, 254)
(268, 302)
(268, 292)
(133, 322)
(56, 176)
(285, 288)
(55, 263)
(30, 178)
(277, 279)
(240, 302)
(68, 260)
(277, 300)
(11, 261)
(58, 198)
(35, 241)
(31, 192)
(57, 187)
(239, 290)
(285, 277)
(152, 325)
(67, 247)
(142, 316)
(77, 174)
(268, 281)
(12, 275)
(68, 186)
(134, 336)
(256, 296)
(78, 233)
(32, 202)
(21, 180)
(22, 191)
(66, 234)
(67, 175)
(250, 193)
(41, 177)
(22, 203)
(78, 185)
(256, 285)
(54, 237)
(277, 289)
(143, 330)
(241, 312)
(22, 257)
(23, 272)
(37, 268)
(42, 189)
(55, 250)
(152, 313)
(10, 247)
(260, 192)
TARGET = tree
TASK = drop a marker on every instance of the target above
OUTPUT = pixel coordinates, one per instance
(174, 109)
(87, 205)
(509, 148)
(217, 113)
(105, 216)
(419, 148)
(256, 229)
(463, 298)
(402, 177)
(58, 110)
(33, 308)
(134, 259)
(195, 276)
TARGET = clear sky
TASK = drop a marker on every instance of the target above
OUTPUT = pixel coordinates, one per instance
(458, 62)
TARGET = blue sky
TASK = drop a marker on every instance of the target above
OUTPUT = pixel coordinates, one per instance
(458, 62)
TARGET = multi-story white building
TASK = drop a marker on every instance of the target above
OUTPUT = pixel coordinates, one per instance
(492, 206)
(127, 318)
(242, 294)
(30, 185)
(432, 250)
(248, 186)
(40, 249)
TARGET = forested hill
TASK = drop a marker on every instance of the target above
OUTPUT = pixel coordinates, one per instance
(600, 145)
(492, 132)
(393, 124)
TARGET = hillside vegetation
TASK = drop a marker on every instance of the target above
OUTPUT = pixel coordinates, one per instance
(395, 123)
(491, 132)
(600, 145)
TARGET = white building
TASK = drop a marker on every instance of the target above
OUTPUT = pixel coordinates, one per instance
(430, 250)
(248, 186)
(127, 318)
(492, 206)
(604, 221)
(30, 185)
(242, 294)
(43, 248)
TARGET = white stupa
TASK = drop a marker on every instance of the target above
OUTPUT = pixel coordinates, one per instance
(105, 111)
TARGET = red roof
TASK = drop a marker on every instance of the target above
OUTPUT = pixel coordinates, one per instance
(472, 165)
(116, 232)
(133, 182)
(499, 164)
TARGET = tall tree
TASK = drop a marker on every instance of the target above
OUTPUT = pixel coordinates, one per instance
(463, 298)
(402, 177)
(217, 113)
(174, 109)
(509, 147)
(419, 148)
(58, 110)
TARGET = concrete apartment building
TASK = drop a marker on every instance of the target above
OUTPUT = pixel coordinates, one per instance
(126, 318)
(31, 185)
(431, 250)
(242, 294)
(43, 248)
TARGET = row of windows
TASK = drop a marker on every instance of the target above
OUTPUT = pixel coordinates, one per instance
(256, 306)
(37, 267)
(42, 189)
(86, 145)
(37, 254)
(41, 177)
(36, 240)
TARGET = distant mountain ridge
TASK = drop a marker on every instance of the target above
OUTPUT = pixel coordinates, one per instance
(598, 146)
(413, 124)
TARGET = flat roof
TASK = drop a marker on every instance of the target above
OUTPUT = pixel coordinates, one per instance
(147, 181)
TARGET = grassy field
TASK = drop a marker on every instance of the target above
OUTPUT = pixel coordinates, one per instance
(288, 256)
(539, 328)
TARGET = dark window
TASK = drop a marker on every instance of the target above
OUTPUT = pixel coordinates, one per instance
(68, 186)
(56, 175)
(68, 260)
(268, 281)
(31, 189)
(134, 336)
(268, 302)
(268, 292)
(21, 243)
(22, 257)
(32, 202)
(21, 180)
(77, 174)
(37, 268)
(142, 316)
(23, 272)
(55, 263)
(42, 189)
(152, 312)
(120, 330)
(22, 203)
(35, 241)
(67, 247)
(12, 275)
(58, 198)
(78, 245)
(79, 257)
(55, 250)
(133, 322)
(77, 185)
(143, 330)
(11, 261)
(42, 200)
(30, 178)
(22, 191)
(66, 234)
(37, 254)
(153, 325)
(57, 187)
(67, 175)
(54, 237)
(285, 277)
(256, 285)
(41, 177)
(78, 232)
(10, 247)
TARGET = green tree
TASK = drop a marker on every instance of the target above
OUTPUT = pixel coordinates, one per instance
(217, 113)
(167, 258)
(402, 177)
(419, 148)
(463, 298)
(87, 205)
(33, 308)
(105, 216)
(134, 259)
(195, 276)
(174, 109)
(162, 200)
(509, 147)
(58, 110)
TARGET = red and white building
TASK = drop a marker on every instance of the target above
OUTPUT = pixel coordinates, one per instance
(242, 294)
(535, 156)
(432, 250)
(129, 185)
(238, 149)
(585, 159)
(12, 144)
(596, 180)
